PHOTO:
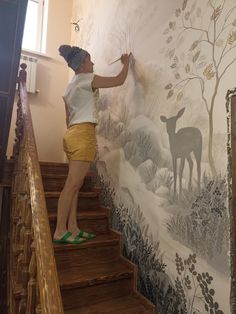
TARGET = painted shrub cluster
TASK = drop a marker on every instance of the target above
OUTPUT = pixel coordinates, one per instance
(153, 282)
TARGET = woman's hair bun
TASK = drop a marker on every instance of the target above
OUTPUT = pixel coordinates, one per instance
(74, 56)
(64, 51)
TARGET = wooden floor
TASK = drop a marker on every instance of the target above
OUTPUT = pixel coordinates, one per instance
(94, 276)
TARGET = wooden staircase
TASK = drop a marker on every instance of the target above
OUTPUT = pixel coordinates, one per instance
(94, 276)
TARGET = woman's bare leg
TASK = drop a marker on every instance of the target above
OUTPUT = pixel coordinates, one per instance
(72, 217)
(68, 199)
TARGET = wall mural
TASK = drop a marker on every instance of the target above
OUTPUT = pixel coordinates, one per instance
(162, 141)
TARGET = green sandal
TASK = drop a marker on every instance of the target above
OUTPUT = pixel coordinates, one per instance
(64, 239)
(85, 235)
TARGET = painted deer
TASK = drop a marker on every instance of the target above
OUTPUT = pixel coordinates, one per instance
(182, 143)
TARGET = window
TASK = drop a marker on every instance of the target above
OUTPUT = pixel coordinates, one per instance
(34, 37)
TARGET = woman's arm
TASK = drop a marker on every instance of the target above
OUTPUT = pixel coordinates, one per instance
(106, 82)
(67, 113)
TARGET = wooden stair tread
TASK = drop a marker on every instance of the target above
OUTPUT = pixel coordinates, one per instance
(53, 163)
(92, 274)
(106, 239)
(100, 212)
(63, 175)
(56, 168)
(81, 194)
(124, 305)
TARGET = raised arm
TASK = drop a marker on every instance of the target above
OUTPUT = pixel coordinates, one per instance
(106, 82)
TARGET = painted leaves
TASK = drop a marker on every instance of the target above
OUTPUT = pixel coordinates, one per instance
(184, 4)
(187, 68)
(192, 285)
(232, 38)
(196, 64)
(196, 55)
(171, 92)
(216, 13)
(208, 72)
(194, 45)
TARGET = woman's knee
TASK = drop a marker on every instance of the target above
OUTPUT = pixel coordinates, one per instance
(73, 185)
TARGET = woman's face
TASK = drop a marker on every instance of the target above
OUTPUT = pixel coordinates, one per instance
(87, 66)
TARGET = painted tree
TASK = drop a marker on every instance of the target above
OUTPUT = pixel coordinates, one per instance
(209, 27)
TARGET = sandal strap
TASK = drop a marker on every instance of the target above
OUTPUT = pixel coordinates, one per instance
(77, 240)
(66, 236)
(80, 234)
(85, 235)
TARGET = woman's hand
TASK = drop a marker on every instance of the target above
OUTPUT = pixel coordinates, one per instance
(125, 58)
(106, 82)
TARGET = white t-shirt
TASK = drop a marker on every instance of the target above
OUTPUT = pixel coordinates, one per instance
(81, 99)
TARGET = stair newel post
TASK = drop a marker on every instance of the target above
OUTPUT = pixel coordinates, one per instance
(31, 299)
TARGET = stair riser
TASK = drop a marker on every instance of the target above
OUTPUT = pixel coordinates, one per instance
(97, 226)
(84, 203)
(56, 184)
(83, 296)
(54, 169)
(86, 256)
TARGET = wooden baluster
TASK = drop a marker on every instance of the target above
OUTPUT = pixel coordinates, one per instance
(22, 305)
(19, 120)
(18, 131)
(38, 309)
(22, 274)
(25, 256)
(38, 306)
(31, 300)
(28, 232)
(17, 218)
(18, 239)
(20, 260)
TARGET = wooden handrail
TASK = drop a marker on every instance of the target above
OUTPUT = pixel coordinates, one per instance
(41, 250)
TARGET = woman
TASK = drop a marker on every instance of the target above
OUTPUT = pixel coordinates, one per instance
(79, 141)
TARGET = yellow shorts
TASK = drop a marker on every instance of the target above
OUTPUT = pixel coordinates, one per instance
(79, 142)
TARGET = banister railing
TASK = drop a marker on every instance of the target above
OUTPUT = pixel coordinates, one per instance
(34, 279)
